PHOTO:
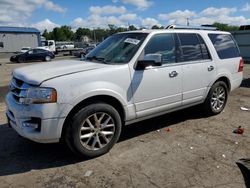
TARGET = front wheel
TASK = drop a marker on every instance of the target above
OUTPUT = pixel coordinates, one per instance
(21, 60)
(217, 98)
(94, 130)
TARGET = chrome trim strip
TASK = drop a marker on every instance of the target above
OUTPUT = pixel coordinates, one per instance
(18, 91)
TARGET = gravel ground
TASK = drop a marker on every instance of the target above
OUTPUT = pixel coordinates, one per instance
(181, 149)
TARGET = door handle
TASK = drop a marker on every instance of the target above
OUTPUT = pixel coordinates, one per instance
(210, 68)
(173, 74)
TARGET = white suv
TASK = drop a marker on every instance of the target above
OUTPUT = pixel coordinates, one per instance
(129, 77)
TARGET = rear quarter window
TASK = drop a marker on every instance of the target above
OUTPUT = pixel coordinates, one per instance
(224, 45)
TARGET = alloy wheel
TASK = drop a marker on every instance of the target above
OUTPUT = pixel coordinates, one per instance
(218, 98)
(97, 131)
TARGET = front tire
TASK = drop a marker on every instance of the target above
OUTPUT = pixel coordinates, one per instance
(94, 130)
(21, 60)
(217, 98)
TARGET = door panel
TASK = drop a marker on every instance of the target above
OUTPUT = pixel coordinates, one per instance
(196, 79)
(154, 90)
(29, 57)
(194, 82)
(198, 68)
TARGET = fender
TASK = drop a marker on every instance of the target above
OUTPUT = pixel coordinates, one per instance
(220, 75)
(97, 89)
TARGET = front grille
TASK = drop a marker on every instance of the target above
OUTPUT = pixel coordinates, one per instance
(18, 89)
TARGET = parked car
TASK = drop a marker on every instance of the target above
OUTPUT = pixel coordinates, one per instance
(83, 52)
(25, 49)
(131, 76)
(33, 55)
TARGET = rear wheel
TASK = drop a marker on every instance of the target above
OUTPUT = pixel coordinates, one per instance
(94, 130)
(217, 98)
(47, 58)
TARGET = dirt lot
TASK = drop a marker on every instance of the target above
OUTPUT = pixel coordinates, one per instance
(198, 151)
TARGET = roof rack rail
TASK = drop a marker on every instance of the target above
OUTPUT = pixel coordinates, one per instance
(192, 27)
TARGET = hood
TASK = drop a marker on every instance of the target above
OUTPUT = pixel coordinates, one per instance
(36, 74)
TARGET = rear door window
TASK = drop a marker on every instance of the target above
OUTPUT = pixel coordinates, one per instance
(35, 51)
(39, 51)
(190, 47)
(224, 45)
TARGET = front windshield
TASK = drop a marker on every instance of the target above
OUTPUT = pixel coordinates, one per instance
(118, 48)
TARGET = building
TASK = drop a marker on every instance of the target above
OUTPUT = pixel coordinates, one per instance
(12, 39)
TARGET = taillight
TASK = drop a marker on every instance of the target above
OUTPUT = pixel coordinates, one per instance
(241, 65)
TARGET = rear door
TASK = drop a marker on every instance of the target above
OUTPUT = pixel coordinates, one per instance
(40, 54)
(197, 65)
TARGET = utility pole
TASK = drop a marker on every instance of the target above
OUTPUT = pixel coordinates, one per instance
(94, 34)
(187, 21)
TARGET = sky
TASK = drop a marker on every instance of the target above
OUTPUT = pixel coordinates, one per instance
(47, 14)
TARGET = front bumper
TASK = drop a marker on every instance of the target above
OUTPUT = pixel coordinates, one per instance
(50, 116)
(13, 59)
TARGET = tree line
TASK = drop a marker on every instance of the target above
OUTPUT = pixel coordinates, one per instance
(65, 33)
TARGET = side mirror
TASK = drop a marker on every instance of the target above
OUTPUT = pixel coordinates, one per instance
(149, 60)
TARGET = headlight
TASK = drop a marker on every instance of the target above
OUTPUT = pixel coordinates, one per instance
(39, 96)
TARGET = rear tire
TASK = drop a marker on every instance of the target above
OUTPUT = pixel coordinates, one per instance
(47, 58)
(93, 130)
(216, 99)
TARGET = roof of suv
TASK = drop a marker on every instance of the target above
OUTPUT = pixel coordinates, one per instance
(176, 31)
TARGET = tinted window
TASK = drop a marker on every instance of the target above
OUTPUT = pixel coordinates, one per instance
(190, 46)
(204, 49)
(1, 44)
(162, 44)
(224, 45)
(35, 51)
(39, 51)
(30, 52)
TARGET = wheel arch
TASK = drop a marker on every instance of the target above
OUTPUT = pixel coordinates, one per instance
(94, 99)
(226, 80)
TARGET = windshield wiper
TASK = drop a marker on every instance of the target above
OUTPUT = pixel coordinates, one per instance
(99, 59)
